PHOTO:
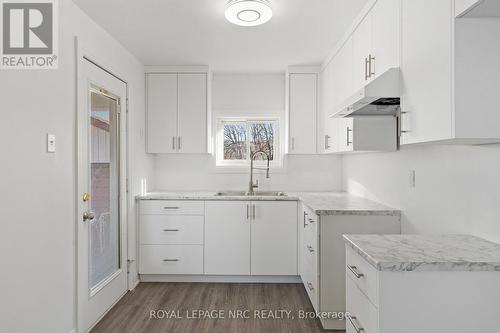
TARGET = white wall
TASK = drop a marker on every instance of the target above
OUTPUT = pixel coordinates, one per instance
(247, 95)
(457, 187)
(38, 189)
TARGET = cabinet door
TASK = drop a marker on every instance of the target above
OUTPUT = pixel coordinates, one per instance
(426, 67)
(345, 134)
(192, 135)
(227, 237)
(343, 75)
(386, 29)
(274, 238)
(362, 48)
(161, 113)
(303, 113)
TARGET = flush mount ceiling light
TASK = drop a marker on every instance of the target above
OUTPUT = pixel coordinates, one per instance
(248, 13)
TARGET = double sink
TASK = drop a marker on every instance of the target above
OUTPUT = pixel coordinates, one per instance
(250, 194)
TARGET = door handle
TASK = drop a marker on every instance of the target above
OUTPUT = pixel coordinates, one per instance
(253, 211)
(179, 145)
(173, 143)
(349, 130)
(371, 71)
(327, 141)
(88, 216)
(367, 76)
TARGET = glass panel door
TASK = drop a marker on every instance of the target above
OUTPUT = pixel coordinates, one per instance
(104, 240)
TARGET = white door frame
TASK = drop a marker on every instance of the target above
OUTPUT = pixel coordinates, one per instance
(82, 56)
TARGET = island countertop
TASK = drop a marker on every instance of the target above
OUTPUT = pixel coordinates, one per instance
(402, 253)
(322, 203)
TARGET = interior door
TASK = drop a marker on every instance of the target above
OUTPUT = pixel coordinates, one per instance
(101, 222)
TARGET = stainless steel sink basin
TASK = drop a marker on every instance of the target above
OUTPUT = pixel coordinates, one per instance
(245, 193)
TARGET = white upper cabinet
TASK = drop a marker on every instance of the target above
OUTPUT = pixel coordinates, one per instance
(386, 36)
(302, 113)
(192, 113)
(376, 42)
(176, 113)
(162, 113)
(449, 75)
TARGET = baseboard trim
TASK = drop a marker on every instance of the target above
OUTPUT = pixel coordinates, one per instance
(219, 278)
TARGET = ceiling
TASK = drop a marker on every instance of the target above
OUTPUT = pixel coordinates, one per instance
(195, 32)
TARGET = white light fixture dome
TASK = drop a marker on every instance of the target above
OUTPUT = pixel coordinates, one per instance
(248, 13)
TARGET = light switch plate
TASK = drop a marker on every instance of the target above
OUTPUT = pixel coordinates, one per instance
(51, 143)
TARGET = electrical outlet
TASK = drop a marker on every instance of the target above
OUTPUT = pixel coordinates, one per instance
(412, 178)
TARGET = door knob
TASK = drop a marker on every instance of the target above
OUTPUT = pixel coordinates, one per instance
(88, 216)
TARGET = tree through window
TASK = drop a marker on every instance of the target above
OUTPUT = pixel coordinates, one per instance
(242, 138)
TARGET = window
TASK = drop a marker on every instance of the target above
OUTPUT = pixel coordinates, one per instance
(238, 139)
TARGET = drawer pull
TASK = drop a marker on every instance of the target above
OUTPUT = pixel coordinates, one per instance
(310, 286)
(355, 324)
(171, 230)
(310, 248)
(354, 271)
(170, 260)
(171, 207)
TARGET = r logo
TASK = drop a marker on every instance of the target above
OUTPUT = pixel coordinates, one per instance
(27, 28)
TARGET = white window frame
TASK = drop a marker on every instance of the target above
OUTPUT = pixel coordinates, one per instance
(276, 163)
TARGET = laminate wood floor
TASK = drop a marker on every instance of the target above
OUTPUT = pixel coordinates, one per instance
(133, 313)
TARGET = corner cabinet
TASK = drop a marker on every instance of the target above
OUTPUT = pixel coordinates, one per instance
(322, 256)
(177, 112)
(302, 110)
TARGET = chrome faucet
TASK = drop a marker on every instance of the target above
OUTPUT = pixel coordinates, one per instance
(255, 185)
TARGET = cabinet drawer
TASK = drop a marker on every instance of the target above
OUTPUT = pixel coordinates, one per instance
(172, 207)
(310, 280)
(171, 229)
(171, 259)
(363, 315)
(362, 274)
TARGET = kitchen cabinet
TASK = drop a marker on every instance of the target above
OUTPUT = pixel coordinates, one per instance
(251, 238)
(366, 134)
(227, 238)
(176, 113)
(171, 237)
(274, 238)
(302, 112)
(449, 75)
(376, 42)
(322, 256)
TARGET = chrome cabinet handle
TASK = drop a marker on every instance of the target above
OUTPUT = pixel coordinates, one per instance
(173, 143)
(400, 125)
(327, 141)
(253, 211)
(367, 76)
(248, 211)
(354, 270)
(349, 130)
(179, 145)
(370, 71)
(171, 207)
(354, 322)
(88, 216)
(310, 248)
(171, 230)
(170, 260)
(305, 217)
(310, 286)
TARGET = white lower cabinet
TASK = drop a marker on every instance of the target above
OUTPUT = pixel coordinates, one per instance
(251, 238)
(419, 301)
(227, 238)
(323, 260)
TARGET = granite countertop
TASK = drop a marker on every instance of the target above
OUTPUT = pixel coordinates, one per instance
(400, 253)
(322, 203)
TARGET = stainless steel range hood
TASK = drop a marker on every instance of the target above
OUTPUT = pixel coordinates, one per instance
(380, 97)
